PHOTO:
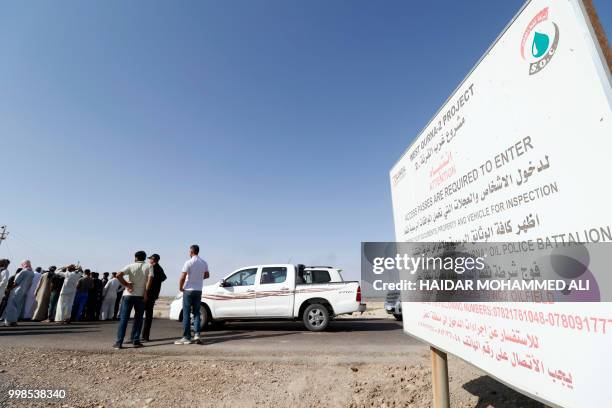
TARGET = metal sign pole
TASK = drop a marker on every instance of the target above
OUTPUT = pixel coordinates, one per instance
(439, 378)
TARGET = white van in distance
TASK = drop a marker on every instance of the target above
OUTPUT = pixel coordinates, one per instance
(312, 294)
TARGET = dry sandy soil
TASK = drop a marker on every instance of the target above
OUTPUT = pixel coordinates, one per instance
(137, 380)
(211, 377)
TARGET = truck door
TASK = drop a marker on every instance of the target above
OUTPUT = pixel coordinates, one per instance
(274, 292)
(237, 298)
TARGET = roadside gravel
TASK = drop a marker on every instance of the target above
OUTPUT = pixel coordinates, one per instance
(127, 379)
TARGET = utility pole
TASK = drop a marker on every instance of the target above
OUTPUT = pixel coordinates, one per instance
(3, 234)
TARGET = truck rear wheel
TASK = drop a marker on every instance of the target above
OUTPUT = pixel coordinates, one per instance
(316, 317)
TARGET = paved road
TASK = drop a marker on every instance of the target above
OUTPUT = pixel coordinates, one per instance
(270, 364)
(345, 339)
(348, 340)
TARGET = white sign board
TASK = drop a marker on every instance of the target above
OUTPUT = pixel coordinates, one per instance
(525, 140)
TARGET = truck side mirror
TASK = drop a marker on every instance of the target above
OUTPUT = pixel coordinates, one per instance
(222, 283)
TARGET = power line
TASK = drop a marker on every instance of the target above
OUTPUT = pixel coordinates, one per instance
(8, 249)
(30, 244)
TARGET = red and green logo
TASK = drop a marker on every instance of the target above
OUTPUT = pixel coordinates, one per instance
(539, 41)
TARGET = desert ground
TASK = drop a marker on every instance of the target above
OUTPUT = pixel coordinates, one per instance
(361, 361)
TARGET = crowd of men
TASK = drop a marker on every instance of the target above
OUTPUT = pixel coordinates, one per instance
(71, 293)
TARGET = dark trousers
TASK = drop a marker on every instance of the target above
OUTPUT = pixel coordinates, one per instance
(117, 304)
(128, 303)
(148, 320)
(93, 307)
(53, 305)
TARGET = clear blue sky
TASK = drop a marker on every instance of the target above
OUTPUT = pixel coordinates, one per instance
(262, 130)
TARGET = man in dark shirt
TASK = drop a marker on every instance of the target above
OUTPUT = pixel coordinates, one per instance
(82, 293)
(57, 281)
(104, 279)
(151, 294)
(94, 299)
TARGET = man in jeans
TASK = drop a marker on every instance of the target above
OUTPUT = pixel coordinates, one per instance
(133, 297)
(194, 272)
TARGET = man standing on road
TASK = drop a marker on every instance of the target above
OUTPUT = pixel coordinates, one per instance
(118, 299)
(18, 294)
(194, 272)
(30, 302)
(57, 281)
(72, 275)
(82, 293)
(152, 293)
(138, 273)
(109, 294)
(94, 299)
(4, 276)
(43, 292)
(104, 279)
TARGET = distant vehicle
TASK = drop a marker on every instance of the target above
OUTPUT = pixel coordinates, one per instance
(393, 305)
(312, 294)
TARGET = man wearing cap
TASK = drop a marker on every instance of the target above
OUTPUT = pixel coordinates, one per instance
(154, 283)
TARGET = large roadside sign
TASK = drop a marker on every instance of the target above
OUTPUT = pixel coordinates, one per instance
(526, 139)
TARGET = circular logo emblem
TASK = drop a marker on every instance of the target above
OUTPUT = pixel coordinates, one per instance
(539, 41)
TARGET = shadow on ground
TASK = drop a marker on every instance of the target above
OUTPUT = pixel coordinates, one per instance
(214, 338)
(492, 393)
(342, 325)
(35, 332)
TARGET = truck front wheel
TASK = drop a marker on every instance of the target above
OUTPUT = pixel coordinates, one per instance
(316, 317)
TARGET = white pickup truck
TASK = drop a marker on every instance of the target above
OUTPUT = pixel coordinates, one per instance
(313, 294)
